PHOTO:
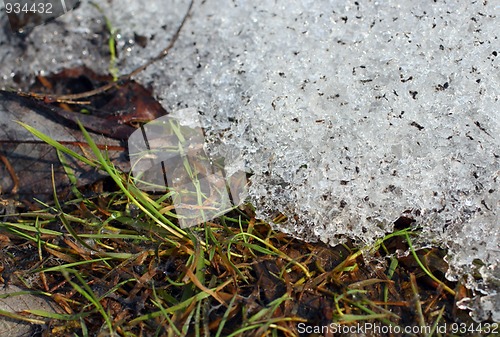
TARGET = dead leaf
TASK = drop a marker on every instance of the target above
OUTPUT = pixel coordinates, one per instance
(32, 160)
(16, 304)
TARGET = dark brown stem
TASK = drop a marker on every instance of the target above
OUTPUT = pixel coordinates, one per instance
(71, 99)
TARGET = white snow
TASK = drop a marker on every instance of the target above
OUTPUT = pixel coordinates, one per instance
(348, 113)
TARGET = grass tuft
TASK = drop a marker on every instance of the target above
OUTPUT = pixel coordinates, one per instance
(117, 264)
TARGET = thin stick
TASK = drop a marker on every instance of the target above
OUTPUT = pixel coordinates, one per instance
(12, 172)
(70, 99)
(71, 143)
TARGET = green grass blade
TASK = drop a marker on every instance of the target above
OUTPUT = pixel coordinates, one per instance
(58, 146)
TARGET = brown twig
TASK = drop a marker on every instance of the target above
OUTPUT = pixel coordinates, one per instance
(12, 172)
(71, 143)
(71, 98)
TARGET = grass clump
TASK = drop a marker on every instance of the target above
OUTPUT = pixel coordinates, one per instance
(118, 265)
